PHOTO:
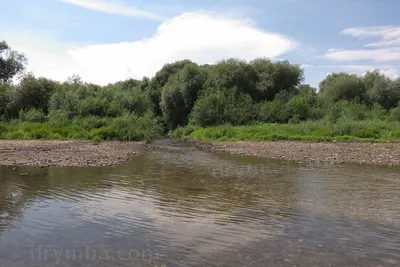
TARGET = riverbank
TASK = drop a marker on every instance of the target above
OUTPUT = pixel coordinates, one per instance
(331, 152)
(68, 153)
(314, 131)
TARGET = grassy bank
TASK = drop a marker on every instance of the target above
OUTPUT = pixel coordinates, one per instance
(125, 128)
(313, 131)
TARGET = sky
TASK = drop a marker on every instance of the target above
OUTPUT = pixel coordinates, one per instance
(105, 41)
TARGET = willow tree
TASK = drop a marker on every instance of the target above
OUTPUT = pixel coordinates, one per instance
(11, 62)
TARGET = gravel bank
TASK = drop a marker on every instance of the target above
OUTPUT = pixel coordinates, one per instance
(359, 153)
(68, 153)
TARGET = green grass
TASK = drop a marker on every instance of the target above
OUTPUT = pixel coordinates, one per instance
(125, 128)
(313, 131)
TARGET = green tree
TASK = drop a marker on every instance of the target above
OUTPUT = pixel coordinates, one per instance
(65, 100)
(5, 99)
(223, 107)
(274, 111)
(275, 77)
(342, 86)
(34, 93)
(233, 75)
(173, 107)
(156, 84)
(182, 87)
(381, 90)
(11, 62)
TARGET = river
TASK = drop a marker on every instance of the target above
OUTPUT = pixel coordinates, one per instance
(179, 206)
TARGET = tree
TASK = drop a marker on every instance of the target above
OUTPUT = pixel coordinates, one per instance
(173, 107)
(5, 99)
(11, 62)
(342, 86)
(223, 107)
(34, 93)
(180, 93)
(233, 75)
(306, 89)
(381, 90)
(275, 77)
(156, 84)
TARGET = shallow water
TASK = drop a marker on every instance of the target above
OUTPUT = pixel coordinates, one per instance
(179, 206)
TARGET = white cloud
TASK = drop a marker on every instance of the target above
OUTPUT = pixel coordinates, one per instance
(386, 32)
(389, 35)
(113, 7)
(388, 45)
(394, 42)
(350, 67)
(365, 67)
(384, 54)
(391, 73)
(201, 37)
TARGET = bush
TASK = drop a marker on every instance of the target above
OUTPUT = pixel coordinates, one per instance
(32, 115)
(395, 114)
(273, 112)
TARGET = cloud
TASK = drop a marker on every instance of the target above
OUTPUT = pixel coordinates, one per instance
(113, 8)
(200, 37)
(384, 54)
(390, 71)
(386, 49)
(389, 35)
(366, 67)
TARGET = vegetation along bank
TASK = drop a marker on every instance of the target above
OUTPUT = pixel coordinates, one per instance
(230, 100)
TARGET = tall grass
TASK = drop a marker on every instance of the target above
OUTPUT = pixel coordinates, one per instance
(372, 130)
(128, 127)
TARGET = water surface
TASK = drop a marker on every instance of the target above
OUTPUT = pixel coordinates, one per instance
(179, 206)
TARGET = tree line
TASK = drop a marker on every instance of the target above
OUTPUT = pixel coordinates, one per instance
(183, 93)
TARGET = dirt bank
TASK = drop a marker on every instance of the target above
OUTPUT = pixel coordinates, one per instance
(68, 153)
(360, 153)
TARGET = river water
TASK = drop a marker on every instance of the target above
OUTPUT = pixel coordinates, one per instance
(180, 206)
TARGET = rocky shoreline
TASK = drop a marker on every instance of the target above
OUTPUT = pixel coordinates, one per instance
(68, 153)
(338, 152)
(86, 153)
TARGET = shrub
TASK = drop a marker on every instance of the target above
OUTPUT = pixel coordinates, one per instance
(32, 115)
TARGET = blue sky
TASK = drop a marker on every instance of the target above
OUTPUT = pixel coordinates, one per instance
(109, 40)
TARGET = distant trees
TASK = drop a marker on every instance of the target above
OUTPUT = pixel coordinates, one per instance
(231, 91)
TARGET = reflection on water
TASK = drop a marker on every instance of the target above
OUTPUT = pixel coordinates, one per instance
(179, 206)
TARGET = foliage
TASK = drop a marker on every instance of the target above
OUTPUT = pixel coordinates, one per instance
(275, 77)
(221, 108)
(32, 115)
(266, 96)
(34, 93)
(11, 62)
(316, 131)
(342, 86)
(381, 90)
